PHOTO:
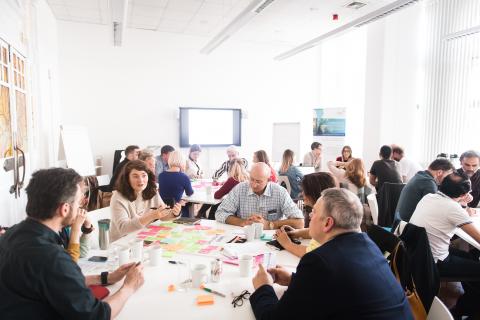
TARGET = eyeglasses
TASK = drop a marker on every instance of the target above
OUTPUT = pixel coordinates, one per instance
(238, 300)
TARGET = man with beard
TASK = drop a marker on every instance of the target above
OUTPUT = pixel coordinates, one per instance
(38, 279)
(470, 161)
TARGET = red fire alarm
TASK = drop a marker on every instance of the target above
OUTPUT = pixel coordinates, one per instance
(335, 16)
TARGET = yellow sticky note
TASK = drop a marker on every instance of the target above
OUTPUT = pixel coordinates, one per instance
(204, 300)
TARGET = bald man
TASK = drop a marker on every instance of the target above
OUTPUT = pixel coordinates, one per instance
(259, 200)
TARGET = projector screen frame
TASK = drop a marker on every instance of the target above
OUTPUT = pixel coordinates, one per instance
(183, 128)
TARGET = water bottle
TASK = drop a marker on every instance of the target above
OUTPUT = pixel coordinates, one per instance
(104, 233)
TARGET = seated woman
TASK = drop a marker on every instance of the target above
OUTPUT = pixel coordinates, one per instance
(261, 156)
(148, 157)
(173, 182)
(136, 202)
(193, 170)
(294, 175)
(237, 174)
(346, 155)
(313, 184)
(353, 177)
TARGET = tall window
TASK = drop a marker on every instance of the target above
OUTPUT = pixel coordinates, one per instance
(13, 100)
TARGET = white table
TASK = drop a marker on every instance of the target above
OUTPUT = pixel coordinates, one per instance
(462, 234)
(200, 194)
(152, 301)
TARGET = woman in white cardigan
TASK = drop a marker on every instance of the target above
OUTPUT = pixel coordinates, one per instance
(136, 202)
(193, 170)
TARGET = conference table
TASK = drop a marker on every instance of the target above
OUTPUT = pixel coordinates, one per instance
(203, 191)
(154, 301)
(462, 234)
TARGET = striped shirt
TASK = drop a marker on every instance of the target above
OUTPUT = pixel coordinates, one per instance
(274, 204)
(226, 167)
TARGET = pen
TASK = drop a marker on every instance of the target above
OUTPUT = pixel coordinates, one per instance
(138, 263)
(214, 292)
(175, 262)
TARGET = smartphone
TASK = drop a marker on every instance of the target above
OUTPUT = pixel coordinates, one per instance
(98, 259)
(274, 244)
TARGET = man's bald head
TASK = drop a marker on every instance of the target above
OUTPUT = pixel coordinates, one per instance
(259, 176)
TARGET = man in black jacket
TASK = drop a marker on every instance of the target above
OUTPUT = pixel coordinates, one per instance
(345, 278)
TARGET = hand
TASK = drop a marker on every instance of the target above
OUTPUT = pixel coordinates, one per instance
(162, 213)
(79, 220)
(281, 275)
(466, 199)
(472, 212)
(261, 278)
(291, 231)
(256, 218)
(283, 238)
(176, 209)
(87, 223)
(134, 278)
(118, 274)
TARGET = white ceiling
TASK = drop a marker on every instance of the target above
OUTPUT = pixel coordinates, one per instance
(285, 22)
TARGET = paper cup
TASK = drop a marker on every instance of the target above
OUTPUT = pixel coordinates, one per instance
(246, 264)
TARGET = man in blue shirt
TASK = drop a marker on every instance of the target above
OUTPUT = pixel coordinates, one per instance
(347, 277)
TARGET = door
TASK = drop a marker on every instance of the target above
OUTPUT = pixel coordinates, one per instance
(13, 134)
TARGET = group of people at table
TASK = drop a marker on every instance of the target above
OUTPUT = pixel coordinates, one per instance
(341, 274)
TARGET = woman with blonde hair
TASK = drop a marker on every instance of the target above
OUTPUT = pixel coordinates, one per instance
(173, 182)
(353, 177)
(236, 174)
(294, 175)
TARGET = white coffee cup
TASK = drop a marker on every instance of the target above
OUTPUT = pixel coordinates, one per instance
(137, 250)
(156, 255)
(199, 275)
(246, 264)
(123, 256)
(258, 230)
(249, 232)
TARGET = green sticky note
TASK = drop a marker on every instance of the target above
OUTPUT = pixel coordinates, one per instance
(168, 254)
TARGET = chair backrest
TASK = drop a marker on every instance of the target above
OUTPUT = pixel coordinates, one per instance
(284, 179)
(372, 203)
(438, 311)
(387, 199)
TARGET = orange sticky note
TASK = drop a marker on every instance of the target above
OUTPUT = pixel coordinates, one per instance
(171, 288)
(204, 300)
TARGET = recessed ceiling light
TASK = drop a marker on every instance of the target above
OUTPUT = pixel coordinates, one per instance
(355, 5)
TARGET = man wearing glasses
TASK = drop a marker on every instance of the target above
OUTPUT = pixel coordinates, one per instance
(259, 201)
(345, 278)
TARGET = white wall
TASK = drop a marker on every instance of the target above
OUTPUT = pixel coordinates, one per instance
(393, 84)
(131, 94)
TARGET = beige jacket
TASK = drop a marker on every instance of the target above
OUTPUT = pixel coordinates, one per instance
(125, 213)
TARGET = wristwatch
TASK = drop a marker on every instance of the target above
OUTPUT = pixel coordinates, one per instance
(87, 230)
(104, 278)
(271, 225)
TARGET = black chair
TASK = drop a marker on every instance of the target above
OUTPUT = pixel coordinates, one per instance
(387, 199)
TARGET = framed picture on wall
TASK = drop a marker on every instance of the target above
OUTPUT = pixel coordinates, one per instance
(329, 122)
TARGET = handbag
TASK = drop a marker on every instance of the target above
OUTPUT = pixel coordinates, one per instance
(416, 305)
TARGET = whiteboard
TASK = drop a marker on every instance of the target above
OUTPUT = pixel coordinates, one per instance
(286, 135)
(77, 149)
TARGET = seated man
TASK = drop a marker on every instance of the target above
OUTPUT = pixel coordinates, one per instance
(232, 153)
(259, 201)
(131, 153)
(347, 277)
(38, 279)
(441, 214)
(422, 183)
(314, 157)
(407, 168)
(384, 170)
(162, 160)
(470, 161)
